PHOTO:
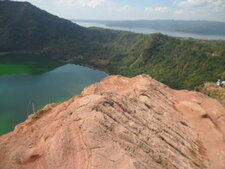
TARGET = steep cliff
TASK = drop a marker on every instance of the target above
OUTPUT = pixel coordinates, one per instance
(122, 123)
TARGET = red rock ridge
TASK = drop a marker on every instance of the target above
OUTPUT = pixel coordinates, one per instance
(121, 123)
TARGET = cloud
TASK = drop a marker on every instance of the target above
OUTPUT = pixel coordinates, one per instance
(202, 9)
(207, 5)
(161, 9)
(179, 12)
(82, 3)
(164, 12)
(190, 3)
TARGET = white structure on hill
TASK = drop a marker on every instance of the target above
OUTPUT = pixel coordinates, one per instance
(220, 83)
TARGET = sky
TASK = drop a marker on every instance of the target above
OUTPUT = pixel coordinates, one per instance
(213, 10)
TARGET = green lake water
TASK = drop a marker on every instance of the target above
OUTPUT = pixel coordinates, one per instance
(19, 92)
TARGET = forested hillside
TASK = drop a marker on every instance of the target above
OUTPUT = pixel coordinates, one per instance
(26, 27)
(179, 62)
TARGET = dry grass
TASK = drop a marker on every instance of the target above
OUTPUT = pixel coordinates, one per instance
(39, 113)
(212, 90)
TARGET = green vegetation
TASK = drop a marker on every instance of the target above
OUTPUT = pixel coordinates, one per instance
(41, 112)
(26, 27)
(34, 116)
(212, 90)
(181, 63)
(26, 64)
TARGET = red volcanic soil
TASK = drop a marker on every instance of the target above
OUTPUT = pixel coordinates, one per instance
(121, 123)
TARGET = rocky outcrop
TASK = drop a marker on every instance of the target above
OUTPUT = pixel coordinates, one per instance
(122, 123)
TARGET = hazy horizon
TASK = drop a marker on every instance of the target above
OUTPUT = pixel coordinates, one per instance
(104, 20)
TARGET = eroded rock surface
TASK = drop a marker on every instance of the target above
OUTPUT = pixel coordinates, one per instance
(121, 123)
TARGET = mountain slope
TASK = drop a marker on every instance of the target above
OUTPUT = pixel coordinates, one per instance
(178, 62)
(26, 27)
(121, 123)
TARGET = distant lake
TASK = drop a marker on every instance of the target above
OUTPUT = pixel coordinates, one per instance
(149, 31)
(19, 92)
